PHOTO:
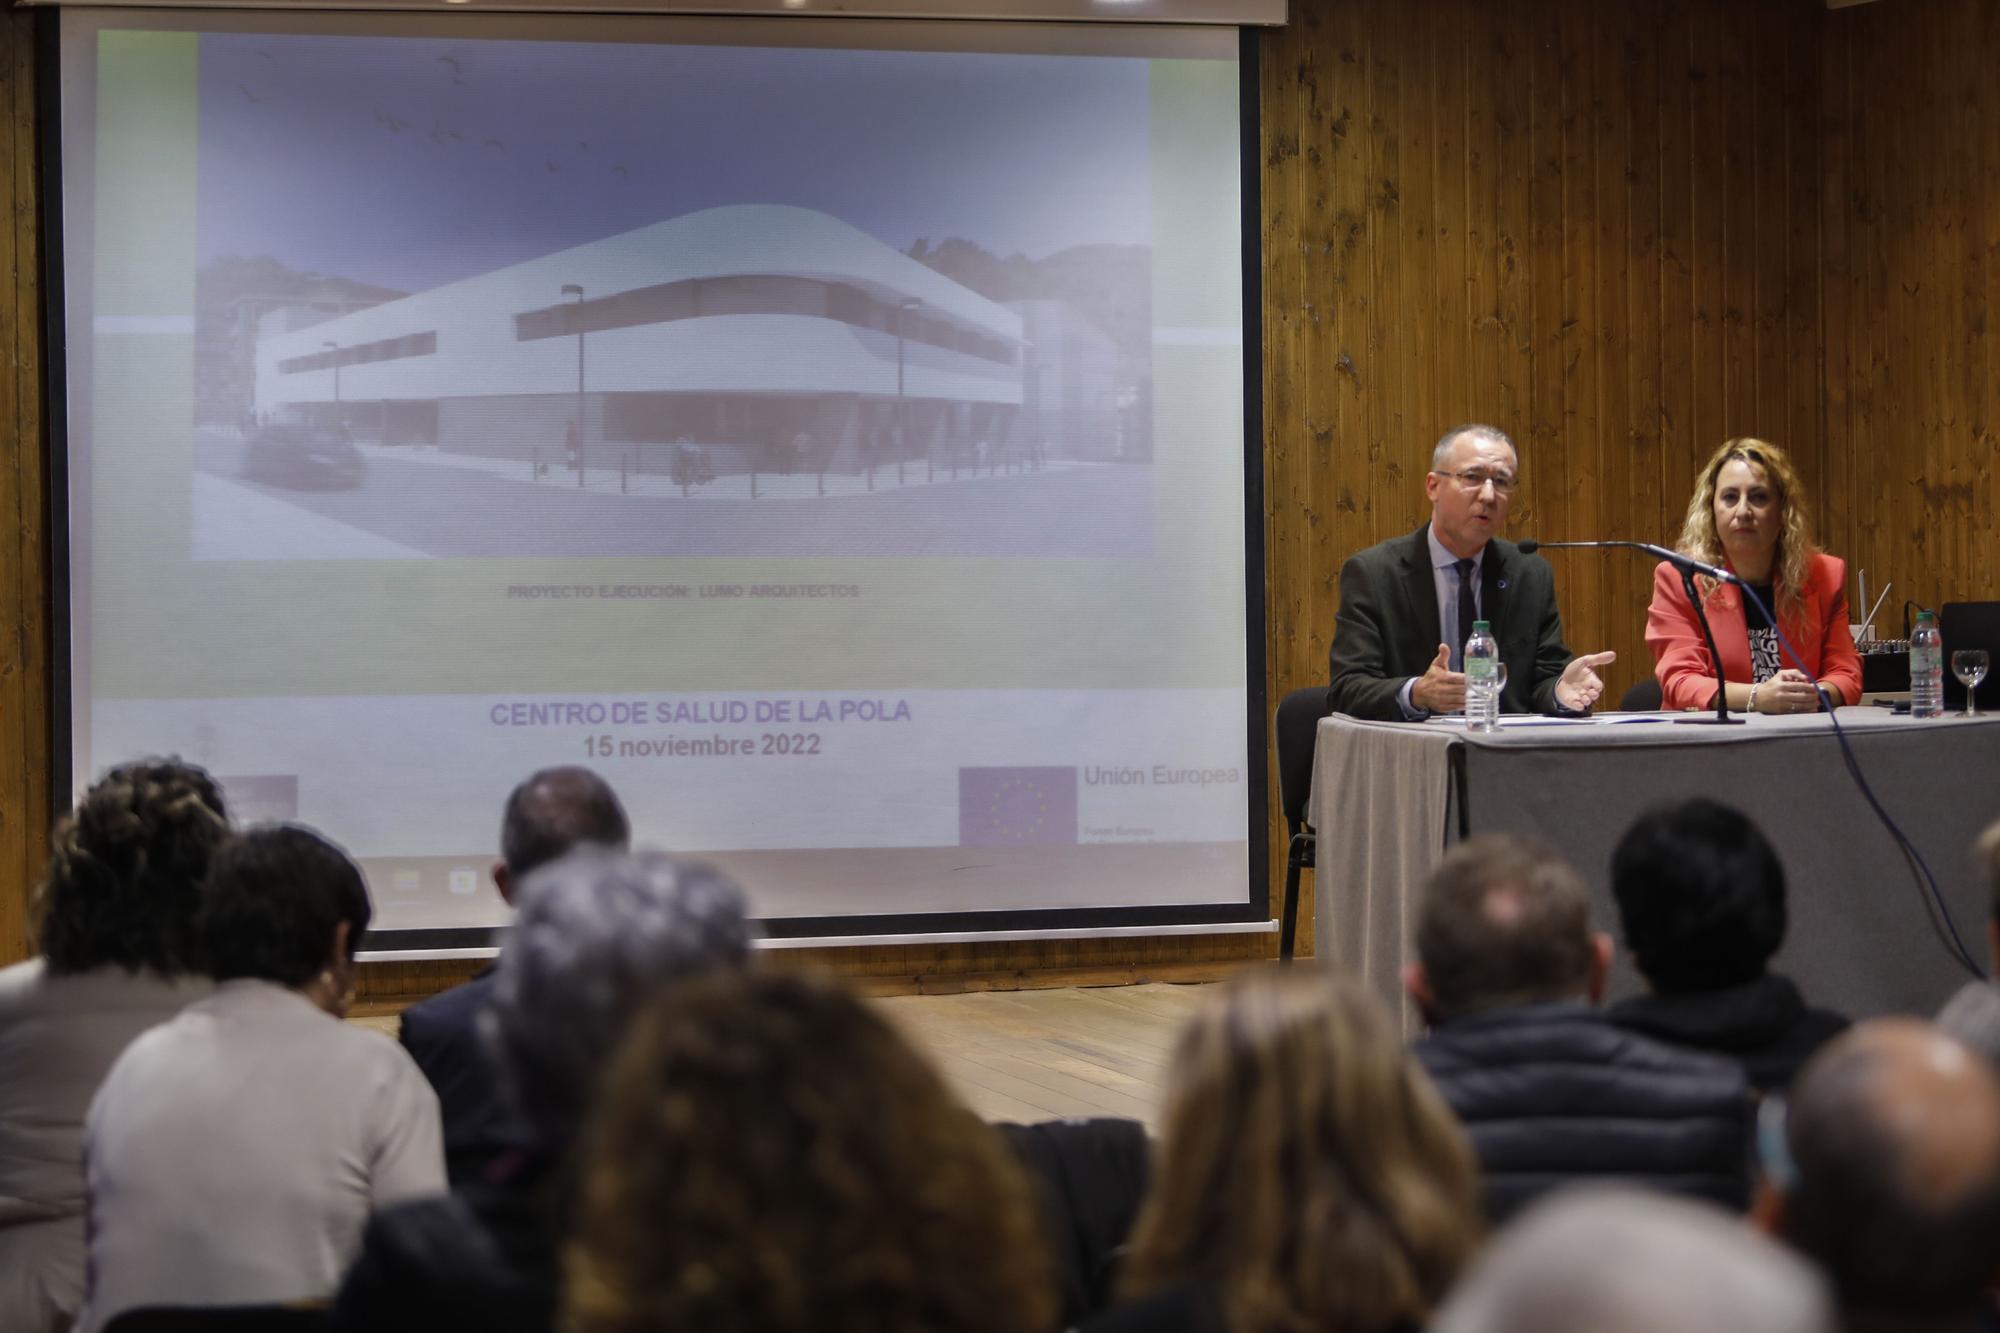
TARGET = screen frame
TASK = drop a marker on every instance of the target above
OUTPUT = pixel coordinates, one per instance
(1254, 910)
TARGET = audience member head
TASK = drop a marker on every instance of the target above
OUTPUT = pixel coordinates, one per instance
(552, 811)
(1504, 923)
(1618, 1260)
(1885, 1170)
(1307, 1165)
(1701, 895)
(284, 905)
(769, 1156)
(597, 933)
(125, 870)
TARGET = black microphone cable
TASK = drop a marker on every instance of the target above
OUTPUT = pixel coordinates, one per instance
(1942, 921)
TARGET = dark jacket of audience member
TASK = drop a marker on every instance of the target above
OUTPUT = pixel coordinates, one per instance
(1552, 1094)
(549, 813)
(1701, 896)
(598, 935)
(442, 1036)
(1550, 1091)
(1089, 1178)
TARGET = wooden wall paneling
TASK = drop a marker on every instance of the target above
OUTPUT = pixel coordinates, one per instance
(1774, 204)
(1349, 384)
(1951, 492)
(1836, 275)
(1450, 103)
(1737, 158)
(1288, 81)
(1866, 335)
(1483, 233)
(24, 620)
(1983, 438)
(1411, 321)
(1586, 487)
(1613, 435)
(1708, 202)
(1912, 365)
(1803, 171)
(1680, 426)
(1389, 363)
(1540, 507)
(1644, 369)
(1510, 390)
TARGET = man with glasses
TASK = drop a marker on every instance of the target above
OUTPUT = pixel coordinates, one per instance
(1407, 604)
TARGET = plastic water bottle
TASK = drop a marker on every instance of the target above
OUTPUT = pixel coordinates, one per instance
(1482, 679)
(1926, 668)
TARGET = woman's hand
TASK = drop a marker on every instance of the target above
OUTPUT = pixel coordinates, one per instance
(1790, 691)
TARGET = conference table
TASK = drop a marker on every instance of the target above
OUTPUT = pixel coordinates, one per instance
(1389, 798)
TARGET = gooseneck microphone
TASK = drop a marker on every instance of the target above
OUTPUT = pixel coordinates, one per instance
(1689, 567)
(1674, 558)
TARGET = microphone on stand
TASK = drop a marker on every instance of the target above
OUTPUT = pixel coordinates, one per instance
(1689, 567)
(1675, 558)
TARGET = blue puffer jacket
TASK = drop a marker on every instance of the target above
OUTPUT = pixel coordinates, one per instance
(1552, 1094)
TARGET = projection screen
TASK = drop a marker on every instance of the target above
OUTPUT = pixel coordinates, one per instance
(831, 432)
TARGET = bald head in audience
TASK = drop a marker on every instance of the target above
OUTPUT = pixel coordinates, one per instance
(1615, 1260)
(1886, 1172)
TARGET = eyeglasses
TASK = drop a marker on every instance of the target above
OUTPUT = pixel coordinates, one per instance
(1473, 480)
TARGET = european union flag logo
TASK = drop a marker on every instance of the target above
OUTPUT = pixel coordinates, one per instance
(1016, 807)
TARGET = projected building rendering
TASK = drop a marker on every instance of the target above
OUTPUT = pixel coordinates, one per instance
(764, 337)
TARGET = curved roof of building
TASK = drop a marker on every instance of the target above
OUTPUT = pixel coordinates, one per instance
(731, 241)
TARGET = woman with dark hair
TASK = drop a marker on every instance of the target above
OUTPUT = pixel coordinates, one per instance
(1701, 900)
(1748, 513)
(235, 1151)
(1310, 1177)
(769, 1156)
(115, 921)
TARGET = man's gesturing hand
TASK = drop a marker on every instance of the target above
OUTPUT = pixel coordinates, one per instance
(1440, 689)
(1579, 687)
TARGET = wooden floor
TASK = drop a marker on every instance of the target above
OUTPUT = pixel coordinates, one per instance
(1041, 1054)
(1053, 1054)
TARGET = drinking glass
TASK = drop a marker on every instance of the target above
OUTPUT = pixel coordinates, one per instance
(1969, 665)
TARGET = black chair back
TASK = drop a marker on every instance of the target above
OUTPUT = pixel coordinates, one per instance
(1298, 730)
(1643, 697)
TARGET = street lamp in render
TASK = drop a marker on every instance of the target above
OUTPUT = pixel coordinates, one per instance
(902, 404)
(333, 355)
(571, 289)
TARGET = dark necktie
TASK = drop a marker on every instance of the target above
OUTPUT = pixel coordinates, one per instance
(1467, 612)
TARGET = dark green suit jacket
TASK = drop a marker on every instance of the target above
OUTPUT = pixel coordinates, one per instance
(1387, 630)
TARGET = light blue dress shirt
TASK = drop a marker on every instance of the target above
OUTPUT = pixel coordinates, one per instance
(1444, 575)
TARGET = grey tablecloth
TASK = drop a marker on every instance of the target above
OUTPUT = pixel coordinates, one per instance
(1862, 937)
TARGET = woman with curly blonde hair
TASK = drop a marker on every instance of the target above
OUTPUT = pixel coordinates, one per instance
(1749, 515)
(115, 920)
(769, 1156)
(1310, 1176)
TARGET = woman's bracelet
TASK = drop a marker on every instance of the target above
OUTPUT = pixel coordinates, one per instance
(1753, 695)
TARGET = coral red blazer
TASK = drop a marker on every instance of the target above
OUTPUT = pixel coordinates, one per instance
(1817, 627)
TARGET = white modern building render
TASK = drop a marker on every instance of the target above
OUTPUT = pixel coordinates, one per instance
(767, 334)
